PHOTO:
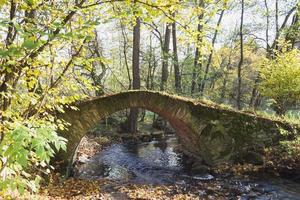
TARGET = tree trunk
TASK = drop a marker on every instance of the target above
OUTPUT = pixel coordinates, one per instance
(176, 63)
(239, 74)
(9, 76)
(268, 24)
(125, 41)
(280, 108)
(198, 64)
(224, 85)
(165, 52)
(153, 70)
(143, 115)
(274, 45)
(293, 32)
(255, 93)
(202, 86)
(149, 64)
(223, 91)
(276, 16)
(195, 74)
(133, 116)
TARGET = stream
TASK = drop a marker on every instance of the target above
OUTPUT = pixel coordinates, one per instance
(159, 163)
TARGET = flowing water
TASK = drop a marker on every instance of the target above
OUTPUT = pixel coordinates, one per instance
(158, 162)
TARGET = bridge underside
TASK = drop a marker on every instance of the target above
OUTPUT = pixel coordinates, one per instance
(207, 132)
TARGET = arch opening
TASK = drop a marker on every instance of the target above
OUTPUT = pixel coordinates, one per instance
(154, 134)
(177, 127)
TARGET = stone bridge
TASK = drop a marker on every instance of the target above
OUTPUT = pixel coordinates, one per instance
(207, 132)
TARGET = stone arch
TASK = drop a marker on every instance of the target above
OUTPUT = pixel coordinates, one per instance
(176, 111)
(206, 131)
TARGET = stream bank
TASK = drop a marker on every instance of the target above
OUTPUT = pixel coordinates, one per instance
(154, 170)
(114, 165)
(228, 184)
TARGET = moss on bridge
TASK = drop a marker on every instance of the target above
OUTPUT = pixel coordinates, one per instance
(207, 131)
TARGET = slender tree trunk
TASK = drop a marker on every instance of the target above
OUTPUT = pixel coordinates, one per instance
(136, 56)
(197, 63)
(9, 76)
(240, 65)
(276, 16)
(224, 85)
(149, 64)
(154, 66)
(202, 86)
(274, 45)
(268, 24)
(125, 41)
(143, 115)
(133, 116)
(165, 55)
(255, 94)
(195, 74)
(148, 78)
(293, 33)
(96, 51)
(223, 91)
(175, 57)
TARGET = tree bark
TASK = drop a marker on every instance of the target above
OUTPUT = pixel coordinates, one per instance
(148, 78)
(125, 41)
(274, 45)
(293, 32)
(223, 91)
(198, 64)
(133, 116)
(276, 16)
(255, 93)
(165, 55)
(240, 65)
(175, 57)
(195, 74)
(96, 52)
(153, 71)
(268, 24)
(202, 86)
(9, 76)
(224, 85)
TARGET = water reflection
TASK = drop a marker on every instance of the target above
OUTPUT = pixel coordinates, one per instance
(159, 162)
(152, 162)
(161, 153)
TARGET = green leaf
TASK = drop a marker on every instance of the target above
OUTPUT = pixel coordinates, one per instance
(29, 44)
(3, 53)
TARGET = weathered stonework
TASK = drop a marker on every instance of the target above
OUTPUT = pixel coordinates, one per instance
(207, 132)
